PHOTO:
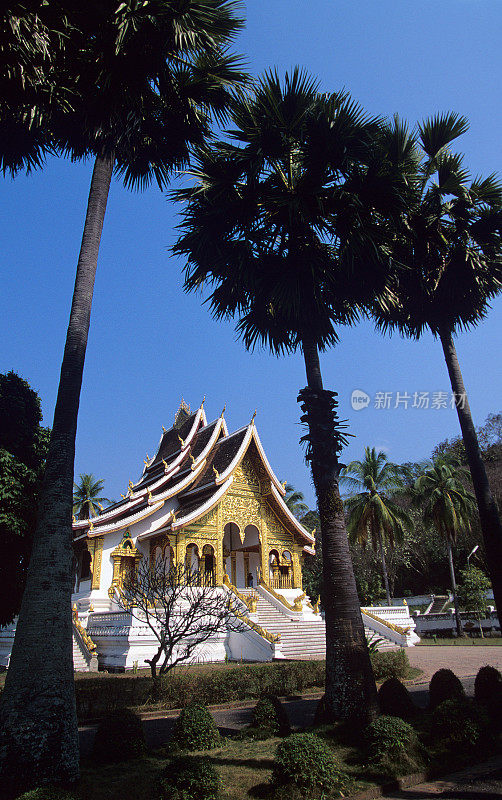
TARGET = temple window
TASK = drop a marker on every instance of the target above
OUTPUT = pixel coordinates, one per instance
(208, 563)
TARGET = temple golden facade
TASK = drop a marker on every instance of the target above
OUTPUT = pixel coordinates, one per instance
(208, 499)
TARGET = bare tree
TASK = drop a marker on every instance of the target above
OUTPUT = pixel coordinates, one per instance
(182, 608)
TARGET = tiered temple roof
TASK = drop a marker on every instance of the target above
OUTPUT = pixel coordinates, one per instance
(192, 469)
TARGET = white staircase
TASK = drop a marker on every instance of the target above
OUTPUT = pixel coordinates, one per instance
(300, 639)
(83, 660)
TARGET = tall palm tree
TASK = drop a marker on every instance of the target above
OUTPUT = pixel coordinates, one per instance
(295, 501)
(449, 506)
(451, 245)
(373, 514)
(87, 497)
(282, 222)
(143, 79)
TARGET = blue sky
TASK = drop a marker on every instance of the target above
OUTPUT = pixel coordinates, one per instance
(150, 343)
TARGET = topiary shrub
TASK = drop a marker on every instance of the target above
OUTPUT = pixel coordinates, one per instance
(269, 716)
(444, 685)
(304, 761)
(487, 685)
(188, 778)
(459, 725)
(395, 700)
(195, 729)
(393, 745)
(488, 692)
(119, 737)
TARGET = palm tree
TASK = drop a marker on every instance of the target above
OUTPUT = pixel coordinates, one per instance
(142, 80)
(451, 246)
(373, 514)
(449, 507)
(87, 496)
(282, 223)
(295, 501)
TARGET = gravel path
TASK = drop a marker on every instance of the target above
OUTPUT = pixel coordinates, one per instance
(463, 660)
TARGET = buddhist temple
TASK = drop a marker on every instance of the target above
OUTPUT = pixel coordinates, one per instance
(209, 500)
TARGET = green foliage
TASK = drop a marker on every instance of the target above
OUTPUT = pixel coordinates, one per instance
(444, 685)
(47, 793)
(305, 761)
(488, 693)
(488, 684)
(390, 664)
(459, 725)
(188, 778)
(395, 700)
(195, 729)
(23, 448)
(97, 695)
(270, 717)
(471, 590)
(119, 737)
(87, 496)
(389, 736)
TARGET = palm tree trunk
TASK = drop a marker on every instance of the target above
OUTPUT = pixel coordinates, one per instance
(491, 525)
(454, 590)
(384, 567)
(350, 684)
(38, 723)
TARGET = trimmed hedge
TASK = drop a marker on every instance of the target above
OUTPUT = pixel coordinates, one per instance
(395, 700)
(460, 726)
(390, 664)
(195, 729)
(444, 685)
(47, 793)
(393, 745)
(269, 716)
(306, 762)
(99, 695)
(188, 778)
(119, 737)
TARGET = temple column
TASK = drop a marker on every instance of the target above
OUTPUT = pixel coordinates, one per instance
(297, 572)
(96, 561)
(246, 569)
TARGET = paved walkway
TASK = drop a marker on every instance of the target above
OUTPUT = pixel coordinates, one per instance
(463, 660)
(481, 782)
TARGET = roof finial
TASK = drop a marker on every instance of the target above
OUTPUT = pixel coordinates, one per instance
(203, 401)
(223, 411)
(216, 473)
(166, 468)
(123, 495)
(174, 517)
(182, 413)
(91, 526)
(130, 485)
(150, 498)
(283, 484)
(192, 458)
(253, 417)
(163, 430)
(182, 442)
(73, 519)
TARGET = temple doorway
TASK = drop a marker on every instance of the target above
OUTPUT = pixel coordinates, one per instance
(241, 554)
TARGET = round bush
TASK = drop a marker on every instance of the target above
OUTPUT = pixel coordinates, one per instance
(119, 737)
(459, 725)
(306, 762)
(195, 729)
(444, 685)
(269, 716)
(390, 738)
(488, 685)
(189, 778)
(395, 700)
